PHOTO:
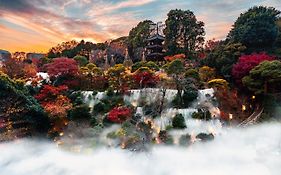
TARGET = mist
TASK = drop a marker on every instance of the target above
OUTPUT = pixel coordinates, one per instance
(244, 151)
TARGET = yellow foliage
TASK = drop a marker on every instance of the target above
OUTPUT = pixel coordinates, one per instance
(218, 83)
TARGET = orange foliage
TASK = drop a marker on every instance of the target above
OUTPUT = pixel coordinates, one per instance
(174, 57)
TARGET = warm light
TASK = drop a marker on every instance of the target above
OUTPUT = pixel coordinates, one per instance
(61, 134)
(243, 108)
(230, 116)
(253, 97)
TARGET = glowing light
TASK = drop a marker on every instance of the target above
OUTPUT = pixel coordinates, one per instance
(230, 116)
(61, 134)
(253, 97)
(243, 108)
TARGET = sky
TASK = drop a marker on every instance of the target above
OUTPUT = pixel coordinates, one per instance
(37, 25)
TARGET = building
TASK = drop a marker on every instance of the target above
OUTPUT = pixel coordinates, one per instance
(155, 43)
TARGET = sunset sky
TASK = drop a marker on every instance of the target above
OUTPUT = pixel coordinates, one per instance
(37, 25)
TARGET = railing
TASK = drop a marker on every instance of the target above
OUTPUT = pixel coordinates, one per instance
(252, 119)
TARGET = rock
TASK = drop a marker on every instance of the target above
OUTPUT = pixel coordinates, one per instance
(205, 137)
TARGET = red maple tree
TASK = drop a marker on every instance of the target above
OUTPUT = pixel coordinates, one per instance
(62, 67)
(246, 63)
(119, 114)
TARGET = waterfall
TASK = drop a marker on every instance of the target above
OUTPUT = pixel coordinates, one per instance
(150, 96)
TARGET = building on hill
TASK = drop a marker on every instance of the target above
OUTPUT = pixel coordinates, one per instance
(155, 51)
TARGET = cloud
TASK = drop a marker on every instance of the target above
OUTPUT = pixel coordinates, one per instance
(100, 20)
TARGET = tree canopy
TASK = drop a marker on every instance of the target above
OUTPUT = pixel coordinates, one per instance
(264, 78)
(183, 32)
(256, 28)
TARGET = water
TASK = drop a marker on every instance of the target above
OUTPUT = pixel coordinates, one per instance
(153, 96)
(255, 150)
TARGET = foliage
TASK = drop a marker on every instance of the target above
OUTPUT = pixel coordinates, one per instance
(151, 65)
(246, 63)
(53, 100)
(183, 32)
(175, 57)
(62, 67)
(119, 114)
(202, 115)
(92, 78)
(72, 48)
(175, 67)
(118, 78)
(178, 122)
(16, 69)
(58, 108)
(192, 73)
(81, 60)
(256, 28)
(137, 36)
(145, 78)
(264, 78)
(80, 112)
(18, 106)
(223, 57)
(218, 83)
(186, 99)
(206, 73)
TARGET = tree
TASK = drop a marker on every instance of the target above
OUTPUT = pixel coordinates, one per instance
(145, 78)
(264, 78)
(218, 83)
(137, 37)
(119, 114)
(178, 122)
(256, 28)
(176, 69)
(20, 113)
(62, 67)
(81, 60)
(150, 64)
(92, 77)
(223, 57)
(246, 63)
(118, 78)
(19, 70)
(206, 73)
(183, 32)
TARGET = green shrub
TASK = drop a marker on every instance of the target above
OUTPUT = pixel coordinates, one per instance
(80, 112)
(178, 122)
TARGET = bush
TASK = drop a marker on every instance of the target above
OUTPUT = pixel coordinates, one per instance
(178, 122)
(119, 114)
(202, 115)
(80, 112)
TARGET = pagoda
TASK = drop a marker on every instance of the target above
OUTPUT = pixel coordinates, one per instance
(155, 43)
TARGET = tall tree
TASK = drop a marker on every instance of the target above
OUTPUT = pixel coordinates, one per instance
(256, 28)
(183, 32)
(137, 37)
